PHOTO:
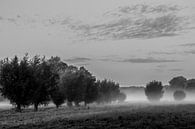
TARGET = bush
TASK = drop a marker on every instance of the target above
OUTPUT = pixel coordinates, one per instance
(154, 91)
(179, 95)
(108, 91)
(121, 97)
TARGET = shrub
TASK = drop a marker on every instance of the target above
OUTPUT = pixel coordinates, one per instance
(121, 97)
(154, 91)
(179, 95)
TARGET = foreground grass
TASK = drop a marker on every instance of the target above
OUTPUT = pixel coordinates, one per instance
(159, 116)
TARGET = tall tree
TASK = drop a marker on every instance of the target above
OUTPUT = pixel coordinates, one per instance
(70, 84)
(91, 89)
(44, 81)
(15, 78)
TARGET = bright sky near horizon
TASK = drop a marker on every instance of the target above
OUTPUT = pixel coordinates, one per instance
(131, 42)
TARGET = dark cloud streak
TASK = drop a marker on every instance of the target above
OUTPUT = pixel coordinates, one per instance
(148, 60)
(78, 60)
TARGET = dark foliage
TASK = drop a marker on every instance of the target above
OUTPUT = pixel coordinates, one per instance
(57, 97)
(44, 81)
(79, 85)
(154, 91)
(179, 95)
(177, 83)
(108, 91)
(15, 81)
(191, 85)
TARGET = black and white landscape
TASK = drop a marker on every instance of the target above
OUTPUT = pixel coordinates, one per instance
(110, 64)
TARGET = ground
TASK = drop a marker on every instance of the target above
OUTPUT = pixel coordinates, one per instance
(123, 116)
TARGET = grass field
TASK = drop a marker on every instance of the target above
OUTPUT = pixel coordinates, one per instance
(124, 116)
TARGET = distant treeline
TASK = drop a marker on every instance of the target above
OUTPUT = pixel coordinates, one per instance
(179, 87)
(35, 81)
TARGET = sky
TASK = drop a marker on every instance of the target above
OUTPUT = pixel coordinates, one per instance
(130, 42)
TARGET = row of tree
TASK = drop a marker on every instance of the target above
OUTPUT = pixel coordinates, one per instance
(36, 81)
(178, 87)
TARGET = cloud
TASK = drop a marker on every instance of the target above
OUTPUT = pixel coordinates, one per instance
(188, 45)
(190, 52)
(143, 9)
(176, 69)
(162, 53)
(148, 60)
(161, 66)
(78, 60)
(131, 24)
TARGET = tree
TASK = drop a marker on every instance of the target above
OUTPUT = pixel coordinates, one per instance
(71, 81)
(79, 86)
(121, 97)
(91, 89)
(154, 91)
(108, 91)
(44, 81)
(15, 77)
(59, 67)
(58, 97)
(179, 95)
(191, 85)
(177, 83)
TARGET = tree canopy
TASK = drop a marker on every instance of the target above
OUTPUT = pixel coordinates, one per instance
(154, 91)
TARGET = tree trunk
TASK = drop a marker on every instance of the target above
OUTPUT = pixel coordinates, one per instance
(35, 107)
(18, 108)
(85, 104)
(77, 104)
(69, 104)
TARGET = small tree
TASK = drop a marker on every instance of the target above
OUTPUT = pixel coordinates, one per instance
(154, 91)
(179, 95)
(121, 97)
(58, 97)
(191, 86)
(178, 83)
(108, 91)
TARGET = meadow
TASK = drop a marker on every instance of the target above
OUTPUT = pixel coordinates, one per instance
(110, 116)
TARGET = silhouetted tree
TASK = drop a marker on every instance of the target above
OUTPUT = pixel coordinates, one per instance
(15, 77)
(154, 91)
(121, 97)
(177, 83)
(71, 81)
(44, 81)
(91, 89)
(59, 67)
(179, 95)
(79, 85)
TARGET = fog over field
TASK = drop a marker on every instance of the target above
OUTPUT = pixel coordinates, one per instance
(91, 64)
